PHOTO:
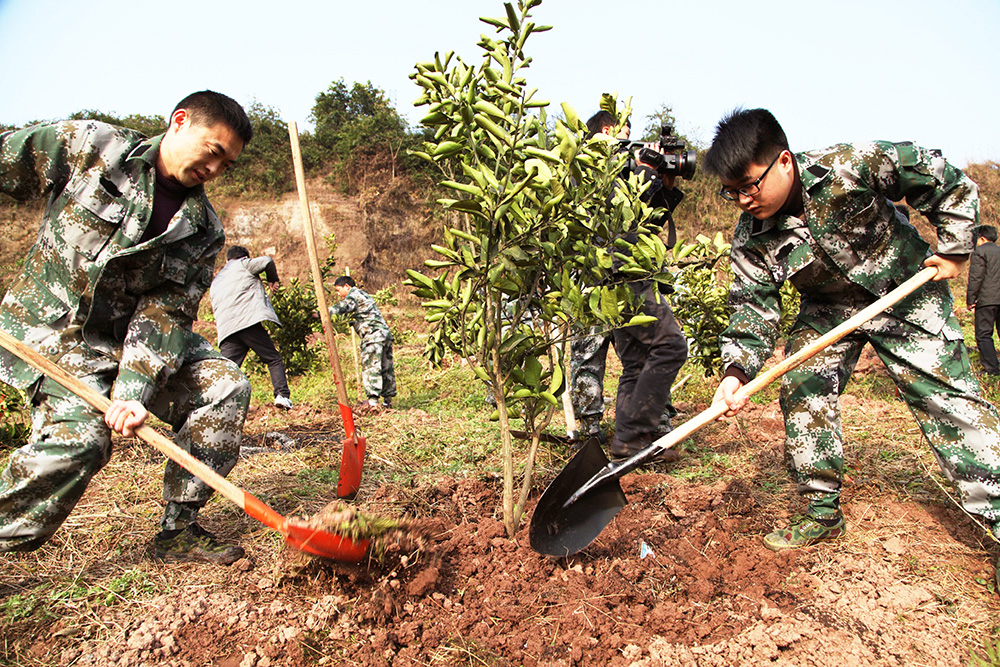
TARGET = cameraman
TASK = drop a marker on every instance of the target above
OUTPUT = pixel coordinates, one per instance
(652, 354)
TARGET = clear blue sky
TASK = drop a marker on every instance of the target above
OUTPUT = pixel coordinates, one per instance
(926, 71)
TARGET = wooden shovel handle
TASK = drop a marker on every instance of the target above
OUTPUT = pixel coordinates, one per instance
(720, 408)
(165, 445)
(317, 276)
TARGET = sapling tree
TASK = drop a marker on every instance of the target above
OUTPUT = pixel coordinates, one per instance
(701, 276)
(541, 240)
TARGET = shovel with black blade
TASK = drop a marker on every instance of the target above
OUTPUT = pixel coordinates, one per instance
(587, 495)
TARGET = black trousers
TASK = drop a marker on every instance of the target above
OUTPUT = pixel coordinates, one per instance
(256, 338)
(986, 323)
(651, 357)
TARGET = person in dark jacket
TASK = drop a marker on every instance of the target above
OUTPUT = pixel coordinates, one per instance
(983, 295)
(652, 354)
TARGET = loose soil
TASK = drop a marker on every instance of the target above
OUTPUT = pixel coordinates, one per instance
(678, 578)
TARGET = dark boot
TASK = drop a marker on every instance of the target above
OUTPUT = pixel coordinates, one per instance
(623, 450)
(194, 544)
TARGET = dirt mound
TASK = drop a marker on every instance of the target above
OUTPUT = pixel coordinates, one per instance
(678, 578)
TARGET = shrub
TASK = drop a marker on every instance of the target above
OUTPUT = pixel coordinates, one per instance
(15, 427)
(362, 134)
(701, 298)
(265, 165)
(295, 305)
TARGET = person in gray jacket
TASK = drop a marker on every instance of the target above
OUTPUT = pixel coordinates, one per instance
(241, 305)
(983, 295)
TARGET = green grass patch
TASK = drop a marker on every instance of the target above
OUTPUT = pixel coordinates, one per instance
(55, 599)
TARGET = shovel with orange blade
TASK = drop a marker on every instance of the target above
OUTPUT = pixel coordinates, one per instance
(298, 534)
(353, 457)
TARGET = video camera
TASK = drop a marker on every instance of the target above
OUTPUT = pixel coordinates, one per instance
(672, 161)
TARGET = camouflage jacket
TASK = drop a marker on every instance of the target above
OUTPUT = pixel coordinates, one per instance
(852, 246)
(87, 279)
(365, 316)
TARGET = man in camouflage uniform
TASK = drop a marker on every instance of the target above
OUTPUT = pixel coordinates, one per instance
(825, 221)
(109, 292)
(378, 375)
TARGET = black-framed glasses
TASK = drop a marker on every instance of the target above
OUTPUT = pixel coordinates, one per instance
(750, 189)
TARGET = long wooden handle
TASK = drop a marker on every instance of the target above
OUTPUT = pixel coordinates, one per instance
(165, 445)
(616, 469)
(317, 276)
(806, 353)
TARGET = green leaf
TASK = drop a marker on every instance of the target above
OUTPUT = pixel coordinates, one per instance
(609, 303)
(532, 371)
(640, 320)
(572, 118)
(466, 205)
(468, 188)
(485, 106)
(512, 21)
(499, 23)
(419, 278)
(446, 148)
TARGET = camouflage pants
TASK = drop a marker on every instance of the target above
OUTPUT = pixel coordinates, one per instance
(934, 378)
(588, 360)
(205, 401)
(377, 372)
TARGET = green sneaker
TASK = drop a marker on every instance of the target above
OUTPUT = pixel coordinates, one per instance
(194, 544)
(803, 531)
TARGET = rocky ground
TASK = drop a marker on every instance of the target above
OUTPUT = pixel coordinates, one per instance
(678, 578)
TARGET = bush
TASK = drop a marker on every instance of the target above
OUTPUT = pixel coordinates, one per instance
(265, 165)
(15, 427)
(701, 298)
(147, 125)
(360, 132)
(295, 305)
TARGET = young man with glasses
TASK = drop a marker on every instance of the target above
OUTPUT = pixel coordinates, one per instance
(825, 221)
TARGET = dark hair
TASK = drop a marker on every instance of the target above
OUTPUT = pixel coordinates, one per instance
(236, 252)
(344, 280)
(600, 120)
(743, 137)
(208, 108)
(988, 232)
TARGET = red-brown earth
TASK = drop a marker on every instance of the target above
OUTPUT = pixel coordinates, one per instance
(461, 593)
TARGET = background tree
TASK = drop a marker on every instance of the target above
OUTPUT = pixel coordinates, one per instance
(664, 115)
(148, 125)
(542, 245)
(264, 166)
(360, 132)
